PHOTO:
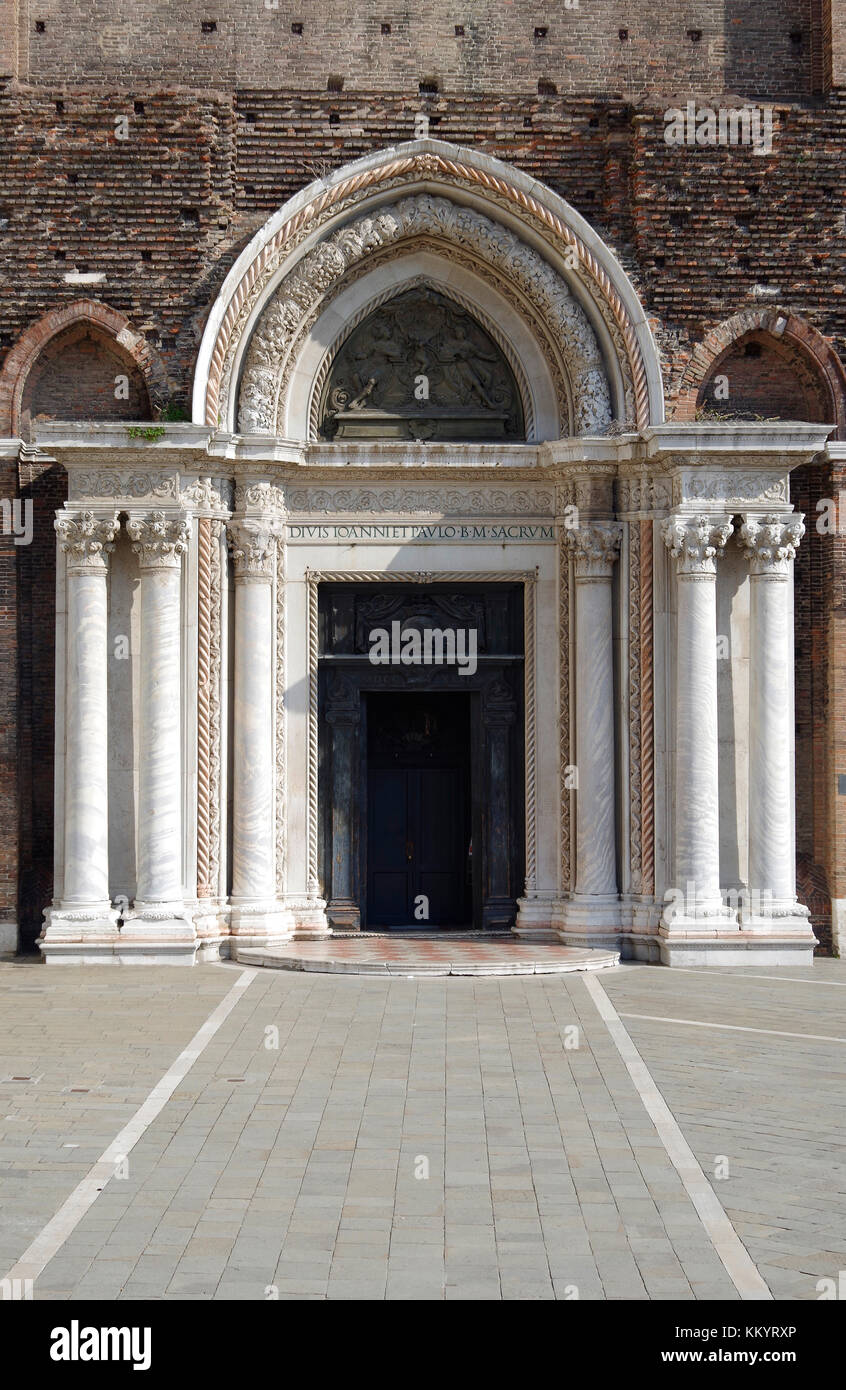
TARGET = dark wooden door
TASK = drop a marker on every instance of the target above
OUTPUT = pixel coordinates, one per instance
(417, 845)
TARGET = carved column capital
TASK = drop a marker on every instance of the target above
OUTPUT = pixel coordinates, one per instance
(771, 542)
(595, 547)
(252, 545)
(696, 543)
(87, 540)
(159, 539)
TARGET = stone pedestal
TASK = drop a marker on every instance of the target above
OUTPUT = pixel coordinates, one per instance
(592, 915)
(159, 926)
(256, 918)
(771, 908)
(84, 924)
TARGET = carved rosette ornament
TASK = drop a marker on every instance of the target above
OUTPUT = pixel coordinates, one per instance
(252, 545)
(86, 540)
(159, 539)
(595, 548)
(771, 542)
(696, 543)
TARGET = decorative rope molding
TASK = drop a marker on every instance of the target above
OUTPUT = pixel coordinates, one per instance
(635, 658)
(564, 705)
(408, 166)
(279, 732)
(528, 578)
(646, 712)
(204, 889)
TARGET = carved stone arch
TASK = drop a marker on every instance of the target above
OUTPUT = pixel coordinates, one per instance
(819, 373)
(325, 266)
(515, 204)
(529, 348)
(111, 324)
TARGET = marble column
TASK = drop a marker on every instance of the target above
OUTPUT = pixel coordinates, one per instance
(159, 919)
(84, 913)
(694, 901)
(594, 907)
(256, 915)
(770, 543)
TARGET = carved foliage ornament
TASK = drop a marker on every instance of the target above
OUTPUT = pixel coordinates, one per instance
(422, 215)
(86, 539)
(252, 545)
(159, 540)
(770, 543)
(594, 549)
(696, 542)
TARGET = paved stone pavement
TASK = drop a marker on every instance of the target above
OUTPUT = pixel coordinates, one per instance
(423, 1138)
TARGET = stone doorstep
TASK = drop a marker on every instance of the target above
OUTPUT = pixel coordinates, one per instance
(405, 956)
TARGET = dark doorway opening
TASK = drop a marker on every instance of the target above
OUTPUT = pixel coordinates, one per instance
(419, 831)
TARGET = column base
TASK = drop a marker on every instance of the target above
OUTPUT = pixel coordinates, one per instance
(82, 935)
(591, 920)
(309, 915)
(258, 924)
(158, 933)
(537, 915)
(738, 949)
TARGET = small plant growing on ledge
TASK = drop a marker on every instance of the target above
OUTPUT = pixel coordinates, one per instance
(148, 432)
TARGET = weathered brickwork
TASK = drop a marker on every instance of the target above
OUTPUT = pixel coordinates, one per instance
(146, 147)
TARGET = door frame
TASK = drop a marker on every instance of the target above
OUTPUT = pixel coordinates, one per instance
(506, 697)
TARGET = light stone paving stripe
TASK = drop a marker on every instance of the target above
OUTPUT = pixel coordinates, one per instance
(732, 1252)
(51, 1239)
(735, 1027)
(733, 974)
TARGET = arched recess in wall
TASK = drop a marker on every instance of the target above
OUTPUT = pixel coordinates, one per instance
(81, 362)
(767, 364)
(467, 208)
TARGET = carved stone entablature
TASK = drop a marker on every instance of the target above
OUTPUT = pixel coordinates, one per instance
(159, 539)
(258, 496)
(728, 488)
(595, 548)
(325, 265)
(770, 542)
(644, 495)
(252, 545)
(86, 539)
(446, 501)
(696, 543)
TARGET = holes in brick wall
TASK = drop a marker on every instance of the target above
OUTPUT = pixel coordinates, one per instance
(593, 122)
(250, 117)
(694, 35)
(208, 26)
(386, 29)
(622, 35)
(335, 83)
(679, 219)
(60, 108)
(744, 264)
(190, 217)
(541, 32)
(428, 87)
(796, 36)
(72, 178)
(334, 118)
(138, 108)
(249, 189)
(60, 255)
(753, 189)
(752, 350)
(434, 122)
(459, 31)
(146, 256)
(660, 262)
(527, 122)
(156, 180)
(547, 88)
(296, 27)
(40, 26)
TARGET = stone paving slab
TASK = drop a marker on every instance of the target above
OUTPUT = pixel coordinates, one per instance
(345, 1136)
